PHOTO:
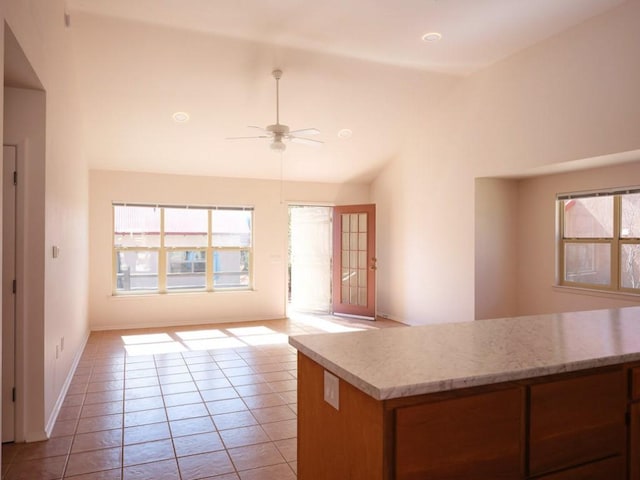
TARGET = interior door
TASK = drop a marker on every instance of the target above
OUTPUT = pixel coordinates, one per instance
(8, 295)
(354, 260)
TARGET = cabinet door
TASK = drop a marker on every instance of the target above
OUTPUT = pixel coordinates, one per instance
(577, 420)
(609, 469)
(471, 438)
(634, 443)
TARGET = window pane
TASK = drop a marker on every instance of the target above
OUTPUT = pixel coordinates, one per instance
(185, 227)
(186, 269)
(231, 269)
(588, 263)
(136, 270)
(136, 226)
(630, 224)
(231, 228)
(630, 266)
(588, 217)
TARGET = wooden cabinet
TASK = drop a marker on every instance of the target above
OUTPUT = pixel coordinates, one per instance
(576, 420)
(565, 427)
(608, 469)
(471, 437)
(634, 424)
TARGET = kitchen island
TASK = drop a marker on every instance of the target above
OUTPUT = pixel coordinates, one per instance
(549, 396)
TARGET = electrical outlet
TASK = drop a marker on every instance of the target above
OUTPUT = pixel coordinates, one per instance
(62, 344)
(332, 390)
(57, 351)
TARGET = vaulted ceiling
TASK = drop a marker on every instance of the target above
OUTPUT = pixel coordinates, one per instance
(358, 65)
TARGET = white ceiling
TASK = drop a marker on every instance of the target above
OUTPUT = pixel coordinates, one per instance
(355, 64)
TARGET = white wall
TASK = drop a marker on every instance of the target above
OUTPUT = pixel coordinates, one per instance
(537, 240)
(573, 96)
(39, 28)
(496, 263)
(266, 301)
(24, 126)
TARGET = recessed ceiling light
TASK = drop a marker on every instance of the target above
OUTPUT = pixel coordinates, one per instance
(432, 37)
(345, 133)
(181, 117)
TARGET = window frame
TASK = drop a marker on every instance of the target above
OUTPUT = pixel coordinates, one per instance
(163, 253)
(615, 242)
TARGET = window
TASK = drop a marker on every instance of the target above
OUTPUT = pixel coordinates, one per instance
(600, 240)
(177, 248)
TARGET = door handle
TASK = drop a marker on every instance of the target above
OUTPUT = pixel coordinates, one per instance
(374, 262)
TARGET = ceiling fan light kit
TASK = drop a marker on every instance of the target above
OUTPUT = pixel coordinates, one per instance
(279, 133)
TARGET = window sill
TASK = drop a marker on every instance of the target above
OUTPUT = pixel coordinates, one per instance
(177, 294)
(625, 296)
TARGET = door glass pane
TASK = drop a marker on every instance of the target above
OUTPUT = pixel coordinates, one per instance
(136, 270)
(630, 266)
(363, 222)
(362, 277)
(630, 221)
(353, 296)
(362, 241)
(231, 269)
(136, 226)
(588, 263)
(186, 269)
(345, 241)
(354, 259)
(354, 222)
(362, 297)
(185, 227)
(588, 217)
(362, 259)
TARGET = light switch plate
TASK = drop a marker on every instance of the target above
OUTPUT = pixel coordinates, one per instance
(332, 390)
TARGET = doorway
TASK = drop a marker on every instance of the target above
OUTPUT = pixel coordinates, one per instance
(309, 275)
(332, 261)
(9, 197)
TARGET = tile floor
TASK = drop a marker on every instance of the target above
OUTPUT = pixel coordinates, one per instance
(208, 402)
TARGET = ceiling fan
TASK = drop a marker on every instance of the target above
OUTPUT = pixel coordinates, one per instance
(279, 133)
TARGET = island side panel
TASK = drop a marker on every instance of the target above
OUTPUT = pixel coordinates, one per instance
(337, 444)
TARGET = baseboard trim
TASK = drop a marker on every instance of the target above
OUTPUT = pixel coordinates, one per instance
(132, 326)
(63, 393)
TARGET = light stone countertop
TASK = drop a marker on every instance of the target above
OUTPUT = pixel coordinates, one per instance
(399, 362)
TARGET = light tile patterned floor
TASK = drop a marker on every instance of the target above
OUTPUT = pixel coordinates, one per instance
(213, 401)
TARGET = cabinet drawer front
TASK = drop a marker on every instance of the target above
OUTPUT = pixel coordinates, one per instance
(576, 421)
(609, 469)
(635, 383)
(474, 437)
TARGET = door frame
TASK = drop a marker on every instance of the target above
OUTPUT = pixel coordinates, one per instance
(369, 311)
(9, 330)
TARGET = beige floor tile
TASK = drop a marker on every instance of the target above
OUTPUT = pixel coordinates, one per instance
(43, 469)
(218, 394)
(195, 444)
(263, 401)
(255, 456)
(145, 417)
(281, 430)
(97, 440)
(273, 414)
(146, 433)
(288, 449)
(87, 462)
(243, 436)
(191, 426)
(205, 465)
(226, 406)
(274, 472)
(147, 452)
(162, 470)
(234, 420)
(115, 474)
(182, 412)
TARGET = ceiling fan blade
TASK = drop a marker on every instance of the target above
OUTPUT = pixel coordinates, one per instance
(306, 141)
(259, 128)
(305, 131)
(243, 138)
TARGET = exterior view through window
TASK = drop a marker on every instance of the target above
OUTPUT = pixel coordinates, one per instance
(178, 248)
(600, 240)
